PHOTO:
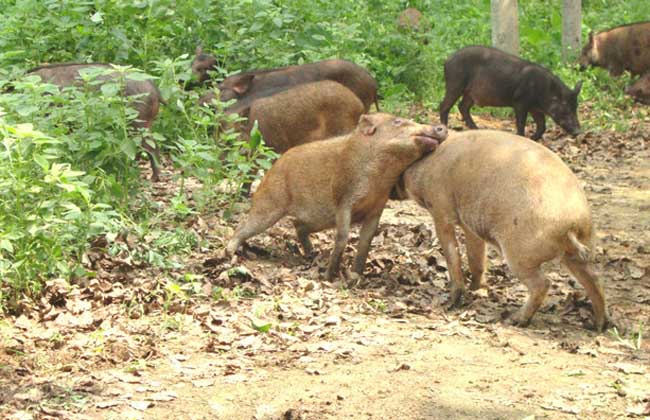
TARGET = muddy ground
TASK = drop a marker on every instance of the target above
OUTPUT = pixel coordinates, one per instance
(266, 338)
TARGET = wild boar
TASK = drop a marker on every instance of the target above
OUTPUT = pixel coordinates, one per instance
(202, 64)
(336, 182)
(302, 114)
(640, 90)
(409, 19)
(147, 105)
(260, 83)
(489, 77)
(516, 195)
(618, 49)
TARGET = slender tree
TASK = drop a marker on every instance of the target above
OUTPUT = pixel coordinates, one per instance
(571, 16)
(505, 25)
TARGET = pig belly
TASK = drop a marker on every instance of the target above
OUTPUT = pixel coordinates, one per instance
(486, 93)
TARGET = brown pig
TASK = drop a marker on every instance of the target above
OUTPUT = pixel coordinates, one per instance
(519, 197)
(338, 182)
(302, 114)
(147, 104)
(618, 49)
(260, 83)
(409, 19)
(640, 90)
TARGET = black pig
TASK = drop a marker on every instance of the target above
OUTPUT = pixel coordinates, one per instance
(487, 76)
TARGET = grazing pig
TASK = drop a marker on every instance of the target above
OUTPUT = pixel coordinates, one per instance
(490, 77)
(147, 104)
(516, 195)
(302, 114)
(337, 182)
(259, 83)
(640, 90)
(202, 64)
(618, 49)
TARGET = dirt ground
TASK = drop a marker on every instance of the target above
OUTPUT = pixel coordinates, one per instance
(266, 338)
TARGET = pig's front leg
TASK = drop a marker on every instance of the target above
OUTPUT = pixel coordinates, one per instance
(343, 218)
(367, 232)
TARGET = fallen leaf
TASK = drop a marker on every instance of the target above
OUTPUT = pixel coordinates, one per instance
(140, 405)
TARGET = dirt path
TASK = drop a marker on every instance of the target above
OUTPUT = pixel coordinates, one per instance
(378, 347)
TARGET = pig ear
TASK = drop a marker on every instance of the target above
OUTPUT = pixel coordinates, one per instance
(591, 36)
(366, 125)
(199, 50)
(243, 83)
(576, 90)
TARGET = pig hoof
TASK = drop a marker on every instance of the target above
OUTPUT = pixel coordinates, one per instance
(475, 285)
(518, 321)
(456, 300)
(605, 324)
(329, 275)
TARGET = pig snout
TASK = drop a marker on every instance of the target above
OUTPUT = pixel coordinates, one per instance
(575, 131)
(431, 136)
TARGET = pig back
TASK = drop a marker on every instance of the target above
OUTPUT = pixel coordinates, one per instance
(349, 74)
(496, 183)
(305, 113)
(147, 103)
(63, 75)
(627, 46)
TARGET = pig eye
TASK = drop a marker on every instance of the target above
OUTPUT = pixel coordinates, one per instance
(398, 122)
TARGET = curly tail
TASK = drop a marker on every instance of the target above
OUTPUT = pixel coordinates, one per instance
(577, 249)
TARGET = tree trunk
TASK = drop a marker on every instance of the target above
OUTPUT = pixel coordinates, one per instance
(505, 25)
(571, 16)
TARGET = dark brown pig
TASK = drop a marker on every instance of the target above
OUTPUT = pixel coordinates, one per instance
(260, 83)
(302, 114)
(147, 105)
(640, 90)
(516, 195)
(337, 182)
(490, 77)
(202, 64)
(618, 49)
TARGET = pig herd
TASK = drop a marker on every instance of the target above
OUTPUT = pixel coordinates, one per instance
(341, 164)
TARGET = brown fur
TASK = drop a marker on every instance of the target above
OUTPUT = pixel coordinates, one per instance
(302, 114)
(260, 83)
(516, 195)
(337, 182)
(147, 106)
(618, 49)
(409, 19)
(640, 90)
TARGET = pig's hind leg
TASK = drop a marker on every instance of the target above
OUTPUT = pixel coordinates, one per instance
(445, 231)
(302, 232)
(538, 286)
(454, 90)
(584, 273)
(464, 106)
(256, 222)
(540, 124)
(521, 113)
(476, 257)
